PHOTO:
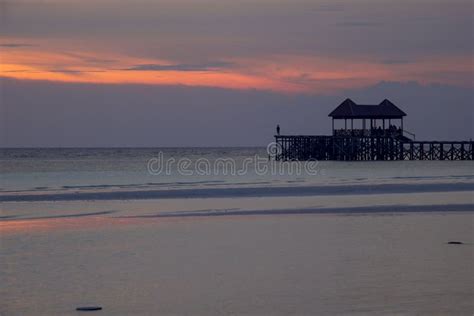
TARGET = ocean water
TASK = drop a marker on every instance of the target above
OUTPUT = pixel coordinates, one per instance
(34, 171)
(212, 231)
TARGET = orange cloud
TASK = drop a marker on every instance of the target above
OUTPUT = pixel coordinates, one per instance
(36, 65)
(291, 73)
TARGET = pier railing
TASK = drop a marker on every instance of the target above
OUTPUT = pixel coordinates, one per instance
(412, 135)
(304, 147)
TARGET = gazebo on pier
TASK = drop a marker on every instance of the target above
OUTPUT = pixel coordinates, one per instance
(375, 133)
(374, 120)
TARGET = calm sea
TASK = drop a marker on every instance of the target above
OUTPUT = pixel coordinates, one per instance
(218, 231)
(62, 170)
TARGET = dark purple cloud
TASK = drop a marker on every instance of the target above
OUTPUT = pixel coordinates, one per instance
(15, 45)
(211, 29)
(181, 67)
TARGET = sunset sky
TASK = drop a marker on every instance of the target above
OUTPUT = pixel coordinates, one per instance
(71, 61)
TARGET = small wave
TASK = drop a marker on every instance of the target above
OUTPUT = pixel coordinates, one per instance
(210, 212)
(138, 185)
(346, 211)
(12, 218)
(241, 192)
(435, 177)
(238, 183)
(97, 186)
(8, 217)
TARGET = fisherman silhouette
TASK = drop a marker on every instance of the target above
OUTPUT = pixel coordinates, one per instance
(278, 129)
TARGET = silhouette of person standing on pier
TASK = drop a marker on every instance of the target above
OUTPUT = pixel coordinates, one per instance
(278, 129)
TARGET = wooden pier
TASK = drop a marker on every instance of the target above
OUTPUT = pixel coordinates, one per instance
(305, 147)
(385, 142)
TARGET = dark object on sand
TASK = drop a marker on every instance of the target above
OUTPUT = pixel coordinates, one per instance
(455, 243)
(89, 308)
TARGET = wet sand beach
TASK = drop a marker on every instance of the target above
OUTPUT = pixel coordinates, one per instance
(383, 263)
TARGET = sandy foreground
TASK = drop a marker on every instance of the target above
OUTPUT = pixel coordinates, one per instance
(384, 263)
